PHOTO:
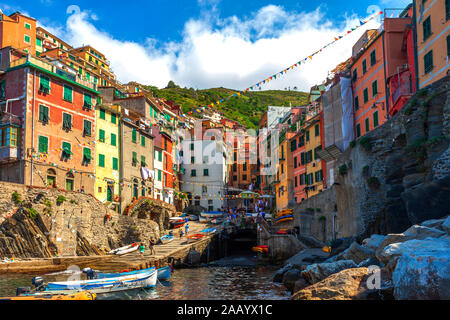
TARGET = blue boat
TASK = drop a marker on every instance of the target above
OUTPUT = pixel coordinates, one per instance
(209, 231)
(167, 238)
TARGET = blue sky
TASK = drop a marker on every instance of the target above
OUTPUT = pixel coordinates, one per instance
(205, 43)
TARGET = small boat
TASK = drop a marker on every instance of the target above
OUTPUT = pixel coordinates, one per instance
(177, 223)
(261, 249)
(131, 281)
(284, 218)
(193, 217)
(122, 250)
(167, 238)
(195, 237)
(284, 212)
(282, 231)
(212, 214)
(162, 273)
(208, 231)
(81, 295)
(203, 219)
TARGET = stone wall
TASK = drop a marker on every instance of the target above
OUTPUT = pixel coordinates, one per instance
(33, 224)
(395, 176)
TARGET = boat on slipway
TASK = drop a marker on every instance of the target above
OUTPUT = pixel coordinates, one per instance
(195, 237)
(167, 238)
(209, 231)
(126, 249)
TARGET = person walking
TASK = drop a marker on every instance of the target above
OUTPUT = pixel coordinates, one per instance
(181, 234)
(186, 228)
(141, 249)
(152, 246)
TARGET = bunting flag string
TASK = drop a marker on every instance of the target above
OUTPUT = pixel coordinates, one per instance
(284, 71)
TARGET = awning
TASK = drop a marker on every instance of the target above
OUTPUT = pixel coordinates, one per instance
(329, 153)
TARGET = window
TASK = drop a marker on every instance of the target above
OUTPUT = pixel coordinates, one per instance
(234, 178)
(296, 182)
(307, 135)
(27, 39)
(309, 156)
(10, 137)
(356, 103)
(192, 146)
(44, 84)
(113, 139)
(234, 167)
(367, 125)
(315, 152)
(448, 43)
(374, 88)
(447, 13)
(192, 160)
(143, 163)
(358, 130)
(318, 176)
(206, 172)
(428, 61)
(66, 150)
(67, 121)
(364, 66)
(101, 135)
(366, 95)
(101, 160)
(159, 155)
(134, 159)
(38, 42)
(102, 114)
(235, 156)
(373, 58)
(355, 75)
(27, 26)
(51, 177)
(43, 113)
(426, 28)
(375, 119)
(87, 155)
(69, 181)
(294, 145)
(133, 135)
(142, 141)
(302, 158)
(113, 118)
(2, 84)
(244, 166)
(244, 177)
(67, 93)
(295, 162)
(159, 175)
(317, 130)
(193, 173)
(87, 102)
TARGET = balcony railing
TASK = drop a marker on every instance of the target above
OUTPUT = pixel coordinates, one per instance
(53, 69)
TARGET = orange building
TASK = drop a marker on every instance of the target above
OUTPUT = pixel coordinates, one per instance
(432, 24)
(18, 31)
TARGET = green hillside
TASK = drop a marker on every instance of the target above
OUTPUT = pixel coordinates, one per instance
(246, 109)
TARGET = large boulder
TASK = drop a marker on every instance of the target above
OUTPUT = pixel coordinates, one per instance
(446, 225)
(290, 277)
(278, 277)
(357, 253)
(422, 270)
(345, 285)
(435, 223)
(422, 232)
(307, 256)
(319, 271)
(373, 242)
(389, 239)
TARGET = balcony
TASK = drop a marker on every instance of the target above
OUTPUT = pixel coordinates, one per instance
(8, 153)
(53, 68)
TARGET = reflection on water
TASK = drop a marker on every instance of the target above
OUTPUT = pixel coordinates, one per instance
(205, 283)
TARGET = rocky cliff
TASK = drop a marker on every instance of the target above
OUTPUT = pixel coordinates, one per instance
(395, 176)
(37, 222)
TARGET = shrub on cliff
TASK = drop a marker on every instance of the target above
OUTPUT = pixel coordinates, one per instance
(60, 200)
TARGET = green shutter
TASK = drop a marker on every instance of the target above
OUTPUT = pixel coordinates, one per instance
(113, 139)
(115, 164)
(366, 95)
(43, 144)
(87, 155)
(113, 118)
(67, 121)
(87, 130)
(356, 103)
(27, 39)
(101, 160)
(133, 135)
(367, 125)
(160, 156)
(426, 28)
(143, 163)
(44, 84)
(317, 130)
(134, 158)
(101, 135)
(43, 113)
(373, 58)
(102, 114)
(358, 130)
(87, 102)
(159, 175)
(68, 93)
(143, 141)
(307, 135)
(374, 88)
(375, 119)
(67, 149)
(428, 62)
(364, 66)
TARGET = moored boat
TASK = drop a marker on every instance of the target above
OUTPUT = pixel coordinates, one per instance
(162, 273)
(178, 223)
(195, 237)
(208, 231)
(81, 295)
(167, 238)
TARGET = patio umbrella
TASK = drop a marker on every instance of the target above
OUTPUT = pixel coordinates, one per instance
(248, 195)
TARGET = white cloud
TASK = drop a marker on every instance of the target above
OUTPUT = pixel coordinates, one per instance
(230, 52)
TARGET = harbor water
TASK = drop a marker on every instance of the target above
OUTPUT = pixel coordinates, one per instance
(227, 279)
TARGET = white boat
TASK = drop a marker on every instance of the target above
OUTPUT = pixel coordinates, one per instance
(122, 250)
(127, 282)
(167, 238)
(212, 214)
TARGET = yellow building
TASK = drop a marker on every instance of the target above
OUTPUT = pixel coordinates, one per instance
(284, 180)
(313, 143)
(107, 170)
(432, 20)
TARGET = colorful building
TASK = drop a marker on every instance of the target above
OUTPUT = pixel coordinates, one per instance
(56, 141)
(18, 31)
(297, 145)
(432, 25)
(107, 182)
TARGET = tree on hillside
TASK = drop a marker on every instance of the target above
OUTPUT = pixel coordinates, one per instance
(171, 85)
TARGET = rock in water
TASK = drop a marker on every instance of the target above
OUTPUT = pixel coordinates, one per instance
(290, 277)
(345, 285)
(308, 256)
(319, 271)
(423, 269)
(278, 277)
